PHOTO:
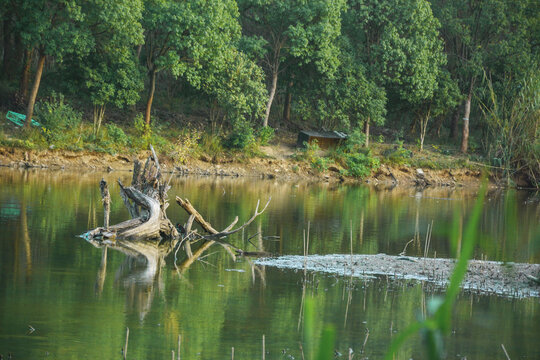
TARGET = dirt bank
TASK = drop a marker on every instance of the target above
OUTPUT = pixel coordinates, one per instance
(488, 277)
(275, 162)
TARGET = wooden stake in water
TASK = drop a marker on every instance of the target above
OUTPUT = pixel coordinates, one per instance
(505, 353)
(106, 198)
(126, 344)
(264, 349)
(179, 342)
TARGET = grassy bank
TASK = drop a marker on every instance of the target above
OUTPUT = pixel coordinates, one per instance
(191, 145)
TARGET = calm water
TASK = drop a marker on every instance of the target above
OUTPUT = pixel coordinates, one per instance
(80, 300)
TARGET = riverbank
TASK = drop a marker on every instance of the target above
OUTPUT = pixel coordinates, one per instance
(280, 160)
(488, 277)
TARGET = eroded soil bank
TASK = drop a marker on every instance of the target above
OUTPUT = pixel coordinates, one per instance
(489, 277)
(277, 162)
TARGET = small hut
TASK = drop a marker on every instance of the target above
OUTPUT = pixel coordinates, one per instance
(325, 139)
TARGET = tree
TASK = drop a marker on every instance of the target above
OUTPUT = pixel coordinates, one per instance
(284, 33)
(398, 43)
(491, 36)
(184, 37)
(346, 99)
(109, 72)
(445, 98)
(237, 84)
(54, 28)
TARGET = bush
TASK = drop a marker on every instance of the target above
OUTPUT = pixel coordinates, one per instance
(310, 154)
(360, 164)
(210, 144)
(186, 146)
(357, 160)
(60, 120)
(241, 137)
(265, 135)
(143, 133)
(116, 135)
(355, 141)
(398, 155)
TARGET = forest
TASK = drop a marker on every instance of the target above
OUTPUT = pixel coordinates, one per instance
(122, 74)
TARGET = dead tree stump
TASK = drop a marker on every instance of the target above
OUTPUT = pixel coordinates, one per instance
(146, 201)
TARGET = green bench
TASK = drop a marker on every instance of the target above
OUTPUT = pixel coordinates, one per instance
(19, 119)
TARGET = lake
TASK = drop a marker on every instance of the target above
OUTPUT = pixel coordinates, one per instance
(62, 298)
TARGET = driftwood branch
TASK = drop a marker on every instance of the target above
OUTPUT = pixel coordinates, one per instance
(228, 231)
(215, 236)
(198, 217)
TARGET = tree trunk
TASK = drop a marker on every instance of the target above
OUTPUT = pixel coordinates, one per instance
(271, 97)
(465, 138)
(33, 93)
(150, 97)
(287, 105)
(99, 114)
(25, 76)
(423, 128)
(366, 132)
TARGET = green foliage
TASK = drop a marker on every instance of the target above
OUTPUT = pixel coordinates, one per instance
(53, 27)
(265, 135)
(355, 141)
(59, 119)
(186, 146)
(399, 44)
(117, 135)
(310, 153)
(512, 121)
(109, 73)
(291, 34)
(211, 144)
(357, 160)
(237, 85)
(398, 155)
(143, 133)
(241, 136)
(360, 164)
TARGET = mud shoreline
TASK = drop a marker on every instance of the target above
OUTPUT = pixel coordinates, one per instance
(276, 166)
(484, 277)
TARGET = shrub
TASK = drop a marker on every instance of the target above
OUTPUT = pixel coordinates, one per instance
(355, 141)
(241, 136)
(398, 155)
(210, 144)
(357, 160)
(310, 154)
(143, 133)
(360, 164)
(186, 146)
(116, 135)
(265, 135)
(59, 119)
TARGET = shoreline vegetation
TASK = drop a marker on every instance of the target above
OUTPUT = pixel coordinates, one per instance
(225, 87)
(199, 154)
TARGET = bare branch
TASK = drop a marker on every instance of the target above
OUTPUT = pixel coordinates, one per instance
(224, 233)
